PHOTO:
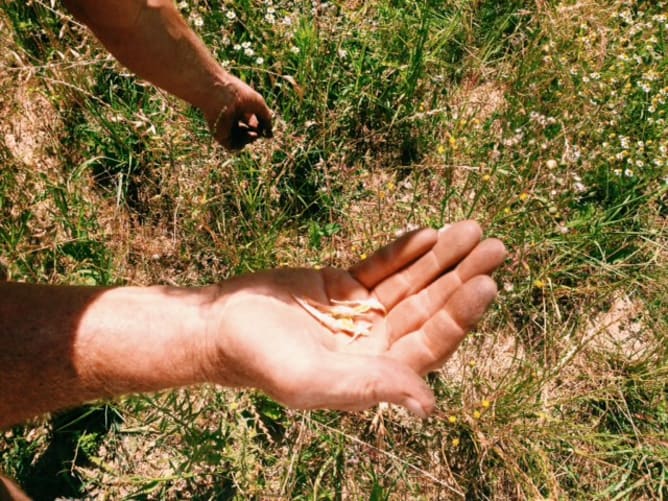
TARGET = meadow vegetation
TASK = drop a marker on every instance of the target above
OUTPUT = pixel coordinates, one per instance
(544, 120)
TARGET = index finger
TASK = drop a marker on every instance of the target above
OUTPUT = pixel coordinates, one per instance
(452, 246)
(393, 257)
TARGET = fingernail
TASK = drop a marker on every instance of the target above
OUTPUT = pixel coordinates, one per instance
(414, 406)
(444, 228)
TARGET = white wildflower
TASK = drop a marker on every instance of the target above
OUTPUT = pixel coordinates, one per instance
(650, 75)
(644, 86)
(660, 18)
(571, 154)
(197, 21)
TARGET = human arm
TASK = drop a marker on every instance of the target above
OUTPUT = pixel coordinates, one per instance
(151, 38)
(60, 346)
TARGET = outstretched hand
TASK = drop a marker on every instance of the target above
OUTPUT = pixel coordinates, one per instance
(434, 285)
(253, 331)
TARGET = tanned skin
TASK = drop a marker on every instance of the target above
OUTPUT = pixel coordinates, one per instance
(61, 346)
(151, 38)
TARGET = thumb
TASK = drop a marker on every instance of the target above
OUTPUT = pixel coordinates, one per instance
(263, 120)
(356, 382)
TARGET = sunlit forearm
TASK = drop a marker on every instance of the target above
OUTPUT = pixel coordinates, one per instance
(61, 346)
(151, 38)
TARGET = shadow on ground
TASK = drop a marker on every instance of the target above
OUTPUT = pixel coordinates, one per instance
(51, 476)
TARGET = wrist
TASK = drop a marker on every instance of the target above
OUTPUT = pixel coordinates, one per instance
(222, 95)
(135, 339)
(234, 339)
(220, 365)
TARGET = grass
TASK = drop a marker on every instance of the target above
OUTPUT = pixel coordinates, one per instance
(543, 120)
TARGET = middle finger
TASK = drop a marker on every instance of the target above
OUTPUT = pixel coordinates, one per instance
(415, 310)
(454, 243)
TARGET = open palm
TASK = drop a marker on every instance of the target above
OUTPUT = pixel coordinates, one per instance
(434, 285)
